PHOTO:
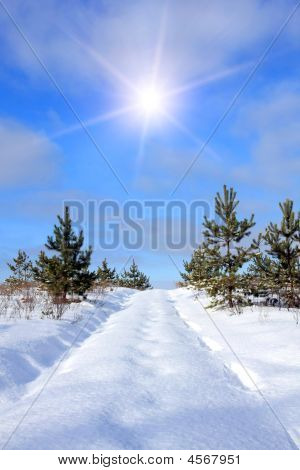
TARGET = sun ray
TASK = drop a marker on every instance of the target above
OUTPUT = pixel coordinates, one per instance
(206, 80)
(141, 148)
(160, 43)
(94, 121)
(142, 142)
(190, 134)
(105, 64)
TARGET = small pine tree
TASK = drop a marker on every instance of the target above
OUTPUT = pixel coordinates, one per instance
(21, 269)
(107, 275)
(134, 279)
(199, 269)
(67, 272)
(225, 256)
(187, 273)
(277, 259)
(257, 283)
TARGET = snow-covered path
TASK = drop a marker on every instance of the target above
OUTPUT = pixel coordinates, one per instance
(142, 380)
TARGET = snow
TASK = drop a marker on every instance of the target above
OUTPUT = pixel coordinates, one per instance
(148, 370)
(265, 340)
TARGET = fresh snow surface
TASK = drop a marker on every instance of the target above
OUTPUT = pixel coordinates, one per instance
(149, 370)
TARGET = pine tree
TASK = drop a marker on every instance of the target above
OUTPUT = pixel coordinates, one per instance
(187, 273)
(277, 259)
(21, 269)
(199, 270)
(107, 275)
(66, 272)
(257, 283)
(134, 279)
(225, 256)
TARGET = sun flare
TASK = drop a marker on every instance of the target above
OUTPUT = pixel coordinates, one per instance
(150, 100)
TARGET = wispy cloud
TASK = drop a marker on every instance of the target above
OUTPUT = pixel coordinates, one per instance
(27, 158)
(122, 37)
(272, 123)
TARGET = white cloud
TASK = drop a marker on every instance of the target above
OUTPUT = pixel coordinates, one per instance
(200, 37)
(27, 158)
(272, 122)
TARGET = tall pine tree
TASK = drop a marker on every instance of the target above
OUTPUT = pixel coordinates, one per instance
(224, 252)
(67, 271)
(277, 259)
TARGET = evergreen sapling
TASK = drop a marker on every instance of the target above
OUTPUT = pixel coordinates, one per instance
(67, 271)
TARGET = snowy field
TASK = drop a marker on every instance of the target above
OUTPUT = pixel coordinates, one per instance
(151, 370)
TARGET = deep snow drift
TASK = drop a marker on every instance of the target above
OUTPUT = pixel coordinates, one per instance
(149, 370)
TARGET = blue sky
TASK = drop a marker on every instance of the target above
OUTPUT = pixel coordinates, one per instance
(101, 53)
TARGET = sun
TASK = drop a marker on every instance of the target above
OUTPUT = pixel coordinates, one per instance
(150, 100)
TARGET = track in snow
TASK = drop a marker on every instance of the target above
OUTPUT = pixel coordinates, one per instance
(143, 380)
